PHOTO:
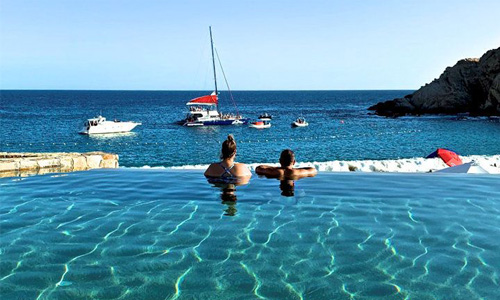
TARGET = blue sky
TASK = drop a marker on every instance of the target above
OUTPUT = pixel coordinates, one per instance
(264, 45)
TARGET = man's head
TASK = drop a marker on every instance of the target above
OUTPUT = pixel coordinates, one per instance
(287, 158)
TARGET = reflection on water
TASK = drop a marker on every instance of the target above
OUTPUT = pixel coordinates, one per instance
(135, 234)
(287, 184)
(107, 136)
(227, 187)
(228, 197)
(287, 188)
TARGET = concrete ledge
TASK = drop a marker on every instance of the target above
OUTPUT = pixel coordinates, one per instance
(26, 164)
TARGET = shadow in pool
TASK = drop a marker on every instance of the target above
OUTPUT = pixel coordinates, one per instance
(287, 187)
(228, 197)
(287, 184)
(228, 192)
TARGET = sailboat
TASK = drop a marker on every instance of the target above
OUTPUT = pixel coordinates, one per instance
(205, 111)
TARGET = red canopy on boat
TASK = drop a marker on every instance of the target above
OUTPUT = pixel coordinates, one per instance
(449, 157)
(204, 100)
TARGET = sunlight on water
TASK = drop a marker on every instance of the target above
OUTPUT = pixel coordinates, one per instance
(157, 234)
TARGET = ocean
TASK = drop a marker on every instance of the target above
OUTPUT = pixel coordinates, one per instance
(340, 127)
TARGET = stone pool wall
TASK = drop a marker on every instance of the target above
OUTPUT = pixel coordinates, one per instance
(26, 164)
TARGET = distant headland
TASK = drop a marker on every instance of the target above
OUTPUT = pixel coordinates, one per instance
(471, 86)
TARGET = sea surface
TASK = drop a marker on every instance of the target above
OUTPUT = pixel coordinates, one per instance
(163, 234)
(340, 127)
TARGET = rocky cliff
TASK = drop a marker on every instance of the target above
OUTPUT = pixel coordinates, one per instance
(470, 86)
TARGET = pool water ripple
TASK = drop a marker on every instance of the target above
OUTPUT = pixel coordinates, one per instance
(156, 234)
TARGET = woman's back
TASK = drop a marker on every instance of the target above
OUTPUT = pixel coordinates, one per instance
(227, 167)
(221, 169)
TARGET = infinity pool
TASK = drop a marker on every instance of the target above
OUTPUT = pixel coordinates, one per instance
(160, 234)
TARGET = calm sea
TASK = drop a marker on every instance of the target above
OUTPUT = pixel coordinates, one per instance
(340, 127)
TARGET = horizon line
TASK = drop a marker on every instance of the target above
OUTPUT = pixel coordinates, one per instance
(174, 90)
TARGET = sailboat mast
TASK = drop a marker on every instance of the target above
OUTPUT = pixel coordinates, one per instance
(213, 64)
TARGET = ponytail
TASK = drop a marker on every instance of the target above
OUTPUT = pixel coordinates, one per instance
(228, 147)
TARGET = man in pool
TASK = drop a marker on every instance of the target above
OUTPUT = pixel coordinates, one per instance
(286, 170)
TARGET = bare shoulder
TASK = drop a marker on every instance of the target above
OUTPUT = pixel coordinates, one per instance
(241, 169)
(212, 170)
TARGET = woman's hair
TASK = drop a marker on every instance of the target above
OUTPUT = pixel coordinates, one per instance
(228, 147)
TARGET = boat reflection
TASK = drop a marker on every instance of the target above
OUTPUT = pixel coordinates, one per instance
(109, 136)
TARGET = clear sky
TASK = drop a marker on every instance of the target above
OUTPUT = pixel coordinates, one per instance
(263, 44)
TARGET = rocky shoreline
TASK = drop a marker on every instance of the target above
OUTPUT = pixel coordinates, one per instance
(27, 164)
(471, 86)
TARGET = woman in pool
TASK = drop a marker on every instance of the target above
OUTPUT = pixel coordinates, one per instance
(227, 168)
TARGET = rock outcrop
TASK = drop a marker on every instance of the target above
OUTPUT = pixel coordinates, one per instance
(471, 86)
(25, 164)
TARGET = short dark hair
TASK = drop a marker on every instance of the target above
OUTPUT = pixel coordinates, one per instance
(287, 157)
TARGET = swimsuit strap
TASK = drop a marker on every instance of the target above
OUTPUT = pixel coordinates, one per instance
(227, 171)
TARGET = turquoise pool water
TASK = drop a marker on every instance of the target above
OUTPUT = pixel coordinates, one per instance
(160, 234)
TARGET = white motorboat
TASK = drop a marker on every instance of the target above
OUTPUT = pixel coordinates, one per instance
(300, 122)
(471, 167)
(260, 124)
(100, 125)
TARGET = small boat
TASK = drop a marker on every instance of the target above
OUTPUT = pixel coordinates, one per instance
(471, 167)
(265, 116)
(300, 122)
(100, 125)
(260, 124)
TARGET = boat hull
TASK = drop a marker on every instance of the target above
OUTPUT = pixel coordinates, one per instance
(225, 122)
(110, 127)
(193, 124)
(295, 124)
(260, 126)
